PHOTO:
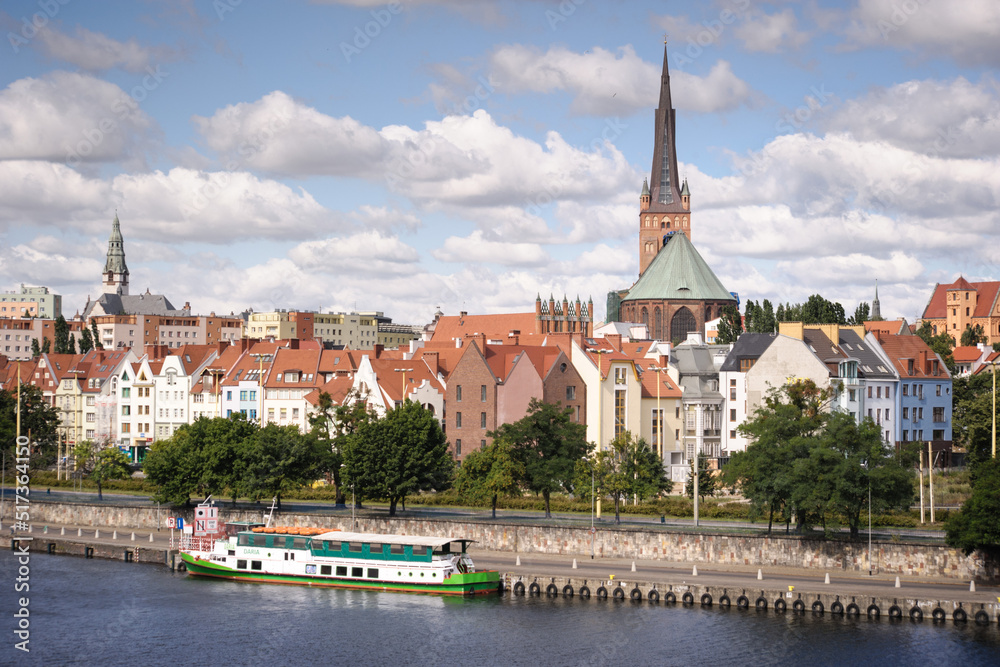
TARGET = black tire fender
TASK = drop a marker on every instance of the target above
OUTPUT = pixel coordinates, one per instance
(873, 611)
(654, 596)
(938, 615)
(817, 607)
(799, 606)
(534, 589)
(959, 616)
(551, 590)
(585, 592)
(687, 598)
(670, 598)
(602, 593)
(895, 611)
(635, 595)
(567, 591)
(519, 588)
(837, 607)
(982, 617)
(724, 601)
(706, 600)
(853, 609)
(618, 593)
(761, 603)
(780, 605)
(916, 614)
(742, 602)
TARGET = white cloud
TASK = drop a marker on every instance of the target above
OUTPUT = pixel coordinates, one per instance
(364, 254)
(771, 33)
(25, 264)
(606, 83)
(969, 31)
(73, 118)
(946, 118)
(477, 249)
(855, 269)
(94, 51)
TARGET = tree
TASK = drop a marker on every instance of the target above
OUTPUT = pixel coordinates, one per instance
(549, 443)
(976, 524)
(61, 329)
(730, 326)
(95, 336)
(973, 336)
(35, 349)
(72, 346)
(628, 467)
(972, 418)
(279, 458)
(861, 314)
(490, 472)
(340, 421)
(46, 345)
(766, 322)
(38, 418)
(86, 341)
(400, 454)
(102, 464)
(707, 482)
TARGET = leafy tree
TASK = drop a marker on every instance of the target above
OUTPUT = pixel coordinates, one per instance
(490, 472)
(341, 422)
(730, 326)
(400, 454)
(95, 336)
(549, 443)
(707, 482)
(766, 322)
(86, 341)
(46, 345)
(861, 314)
(976, 525)
(38, 418)
(102, 464)
(972, 419)
(280, 458)
(628, 467)
(973, 336)
(72, 346)
(61, 329)
(996, 347)
(35, 349)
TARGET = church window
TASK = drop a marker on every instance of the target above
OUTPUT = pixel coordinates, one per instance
(682, 323)
(666, 196)
(647, 221)
(685, 221)
(677, 220)
(708, 313)
(657, 324)
(644, 318)
(656, 220)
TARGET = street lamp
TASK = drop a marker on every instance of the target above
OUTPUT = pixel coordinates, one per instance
(404, 371)
(600, 405)
(994, 365)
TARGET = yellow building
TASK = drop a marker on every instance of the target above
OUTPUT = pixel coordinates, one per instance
(955, 307)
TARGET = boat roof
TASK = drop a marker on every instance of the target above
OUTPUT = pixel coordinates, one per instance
(415, 540)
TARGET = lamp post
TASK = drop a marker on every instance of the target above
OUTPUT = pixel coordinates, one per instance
(592, 529)
(600, 410)
(659, 414)
(404, 371)
(994, 364)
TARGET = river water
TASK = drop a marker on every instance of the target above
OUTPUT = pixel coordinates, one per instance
(94, 612)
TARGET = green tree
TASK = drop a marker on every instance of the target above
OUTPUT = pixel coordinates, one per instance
(61, 329)
(730, 326)
(95, 336)
(323, 424)
(861, 314)
(549, 443)
(400, 454)
(345, 419)
(972, 418)
(277, 459)
(977, 524)
(766, 322)
(102, 464)
(628, 467)
(973, 336)
(35, 349)
(46, 345)
(490, 472)
(707, 482)
(72, 345)
(86, 342)
(38, 418)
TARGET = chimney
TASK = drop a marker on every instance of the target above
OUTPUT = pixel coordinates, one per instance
(431, 358)
(462, 314)
(379, 348)
(615, 340)
(924, 368)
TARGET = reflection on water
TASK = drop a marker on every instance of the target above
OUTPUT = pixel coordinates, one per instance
(91, 612)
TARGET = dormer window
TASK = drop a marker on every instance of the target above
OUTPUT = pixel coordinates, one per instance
(291, 376)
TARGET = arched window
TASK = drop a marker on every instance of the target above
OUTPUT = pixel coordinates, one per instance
(656, 220)
(644, 317)
(685, 221)
(682, 324)
(708, 313)
(677, 220)
(657, 324)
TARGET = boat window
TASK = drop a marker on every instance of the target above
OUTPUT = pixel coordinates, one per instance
(375, 549)
(258, 540)
(241, 565)
(244, 540)
(341, 571)
(255, 565)
(373, 573)
(357, 571)
(332, 546)
(354, 547)
(443, 549)
(325, 569)
(397, 549)
(279, 541)
(299, 543)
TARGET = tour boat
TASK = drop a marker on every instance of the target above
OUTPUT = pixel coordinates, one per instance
(314, 557)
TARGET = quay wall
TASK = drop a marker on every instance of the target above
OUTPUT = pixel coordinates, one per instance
(736, 551)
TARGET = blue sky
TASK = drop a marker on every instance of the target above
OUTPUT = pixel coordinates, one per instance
(468, 155)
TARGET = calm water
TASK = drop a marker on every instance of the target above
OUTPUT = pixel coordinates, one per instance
(93, 612)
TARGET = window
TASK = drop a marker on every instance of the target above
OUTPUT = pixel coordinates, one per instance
(869, 393)
(373, 573)
(851, 395)
(458, 447)
(341, 570)
(571, 393)
(878, 392)
(126, 410)
(482, 393)
(939, 417)
(938, 434)
(732, 394)
(619, 412)
(732, 414)
(229, 395)
(938, 391)
(253, 395)
(906, 387)
(241, 565)
(745, 365)
(906, 436)
(458, 392)
(357, 571)
(325, 569)
(482, 420)
(732, 434)
(458, 420)
(887, 392)
(255, 565)
(126, 428)
(887, 414)
(906, 413)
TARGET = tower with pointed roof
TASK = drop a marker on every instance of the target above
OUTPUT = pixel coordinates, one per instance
(115, 270)
(876, 314)
(664, 208)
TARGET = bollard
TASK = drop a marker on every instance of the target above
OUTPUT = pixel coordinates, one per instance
(633, 566)
(79, 532)
(150, 537)
(133, 536)
(897, 582)
(63, 531)
(115, 535)
(574, 563)
(972, 586)
(694, 571)
(97, 534)
(517, 562)
(827, 580)
(760, 575)
(45, 529)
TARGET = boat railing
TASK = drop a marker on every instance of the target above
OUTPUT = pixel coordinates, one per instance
(197, 542)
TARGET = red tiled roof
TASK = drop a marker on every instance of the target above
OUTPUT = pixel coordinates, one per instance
(337, 388)
(306, 362)
(391, 376)
(901, 349)
(987, 365)
(886, 326)
(937, 308)
(450, 327)
(966, 354)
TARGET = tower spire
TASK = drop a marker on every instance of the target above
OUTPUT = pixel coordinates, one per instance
(115, 270)
(664, 172)
(876, 313)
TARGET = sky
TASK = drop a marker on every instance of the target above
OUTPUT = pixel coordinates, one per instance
(343, 155)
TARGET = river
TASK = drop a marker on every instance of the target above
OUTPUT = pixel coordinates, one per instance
(94, 612)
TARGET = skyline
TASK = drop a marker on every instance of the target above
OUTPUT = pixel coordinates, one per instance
(258, 155)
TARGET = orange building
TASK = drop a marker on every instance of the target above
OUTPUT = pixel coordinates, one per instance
(954, 308)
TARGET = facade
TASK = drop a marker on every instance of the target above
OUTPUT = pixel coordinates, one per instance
(136, 331)
(701, 403)
(351, 330)
(17, 334)
(957, 306)
(470, 402)
(924, 400)
(31, 302)
(733, 384)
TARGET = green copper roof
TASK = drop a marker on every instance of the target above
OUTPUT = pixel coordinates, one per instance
(684, 189)
(116, 250)
(678, 272)
(645, 188)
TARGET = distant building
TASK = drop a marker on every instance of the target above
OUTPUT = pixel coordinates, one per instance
(955, 307)
(352, 330)
(31, 302)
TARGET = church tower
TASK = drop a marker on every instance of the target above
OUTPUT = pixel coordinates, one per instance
(664, 208)
(115, 271)
(876, 312)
